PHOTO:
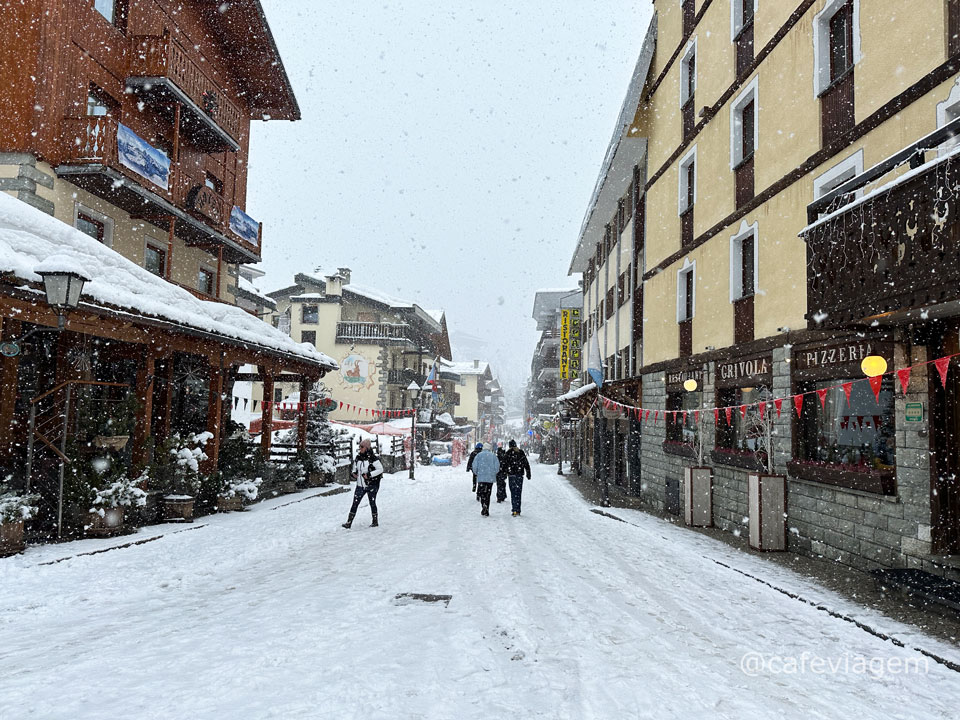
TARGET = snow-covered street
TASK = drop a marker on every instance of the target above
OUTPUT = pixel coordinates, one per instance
(561, 613)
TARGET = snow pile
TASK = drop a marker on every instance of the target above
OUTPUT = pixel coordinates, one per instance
(579, 392)
(31, 241)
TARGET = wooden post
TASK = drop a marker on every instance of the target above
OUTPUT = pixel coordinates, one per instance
(266, 410)
(142, 427)
(9, 368)
(214, 416)
(168, 270)
(163, 432)
(302, 417)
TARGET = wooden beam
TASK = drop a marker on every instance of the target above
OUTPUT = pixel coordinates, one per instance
(9, 372)
(302, 417)
(214, 415)
(266, 412)
(142, 426)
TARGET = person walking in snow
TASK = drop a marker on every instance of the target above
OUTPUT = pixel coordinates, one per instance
(367, 471)
(486, 466)
(516, 464)
(473, 456)
(501, 475)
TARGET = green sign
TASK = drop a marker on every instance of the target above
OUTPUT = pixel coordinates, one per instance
(914, 412)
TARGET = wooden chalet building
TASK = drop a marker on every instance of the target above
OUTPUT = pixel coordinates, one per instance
(128, 122)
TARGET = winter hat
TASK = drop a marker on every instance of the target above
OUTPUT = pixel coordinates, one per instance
(513, 443)
(479, 446)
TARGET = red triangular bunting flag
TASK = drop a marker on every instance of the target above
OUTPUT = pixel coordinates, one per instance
(743, 411)
(341, 406)
(847, 387)
(684, 417)
(904, 377)
(646, 415)
(875, 383)
(729, 413)
(696, 416)
(943, 364)
(656, 416)
(716, 416)
(822, 394)
(798, 403)
(762, 408)
(778, 403)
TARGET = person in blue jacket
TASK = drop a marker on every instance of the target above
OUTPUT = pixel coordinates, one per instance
(486, 466)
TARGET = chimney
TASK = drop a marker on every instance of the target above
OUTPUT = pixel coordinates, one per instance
(345, 274)
(334, 285)
(476, 363)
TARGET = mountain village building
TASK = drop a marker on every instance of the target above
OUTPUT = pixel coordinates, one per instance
(772, 211)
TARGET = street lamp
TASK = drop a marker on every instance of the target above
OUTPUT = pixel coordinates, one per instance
(414, 391)
(63, 288)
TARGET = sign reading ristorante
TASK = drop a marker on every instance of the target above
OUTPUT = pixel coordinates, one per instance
(675, 378)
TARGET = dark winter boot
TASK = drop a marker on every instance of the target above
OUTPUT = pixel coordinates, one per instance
(349, 521)
(374, 523)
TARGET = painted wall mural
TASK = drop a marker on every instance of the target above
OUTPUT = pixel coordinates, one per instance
(357, 372)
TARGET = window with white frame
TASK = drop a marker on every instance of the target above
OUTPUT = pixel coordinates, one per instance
(836, 42)
(686, 291)
(741, 15)
(688, 73)
(743, 262)
(838, 174)
(688, 181)
(744, 134)
(93, 223)
(947, 112)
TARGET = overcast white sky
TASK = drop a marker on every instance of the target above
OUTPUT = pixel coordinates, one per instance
(446, 154)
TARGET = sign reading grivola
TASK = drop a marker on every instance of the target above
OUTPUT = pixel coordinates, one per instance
(755, 369)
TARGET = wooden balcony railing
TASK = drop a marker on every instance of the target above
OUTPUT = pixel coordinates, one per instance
(896, 250)
(404, 376)
(162, 56)
(375, 332)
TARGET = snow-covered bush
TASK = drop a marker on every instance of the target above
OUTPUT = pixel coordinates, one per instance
(122, 492)
(247, 489)
(16, 506)
(176, 467)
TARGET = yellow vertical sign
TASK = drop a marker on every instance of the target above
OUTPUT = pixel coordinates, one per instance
(564, 344)
(574, 369)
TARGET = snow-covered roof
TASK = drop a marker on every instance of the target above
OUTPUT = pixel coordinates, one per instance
(307, 296)
(579, 392)
(377, 296)
(467, 368)
(246, 286)
(28, 237)
(437, 315)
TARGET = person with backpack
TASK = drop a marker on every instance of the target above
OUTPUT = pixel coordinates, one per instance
(367, 471)
(516, 465)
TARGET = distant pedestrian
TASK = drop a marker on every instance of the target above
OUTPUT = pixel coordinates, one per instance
(367, 471)
(516, 465)
(476, 451)
(486, 466)
(501, 474)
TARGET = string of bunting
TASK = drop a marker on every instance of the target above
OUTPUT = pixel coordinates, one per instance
(643, 414)
(269, 405)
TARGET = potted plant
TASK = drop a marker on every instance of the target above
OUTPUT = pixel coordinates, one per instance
(15, 508)
(698, 482)
(176, 473)
(237, 493)
(292, 476)
(116, 493)
(767, 491)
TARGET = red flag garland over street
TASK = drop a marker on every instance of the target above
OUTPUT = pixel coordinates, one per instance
(798, 403)
(729, 413)
(847, 387)
(716, 416)
(822, 394)
(762, 408)
(943, 364)
(743, 411)
(778, 403)
(904, 377)
(875, 383)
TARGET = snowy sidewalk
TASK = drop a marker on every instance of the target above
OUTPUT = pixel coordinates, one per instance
(561, 613)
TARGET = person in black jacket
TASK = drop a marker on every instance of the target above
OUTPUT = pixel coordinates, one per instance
(367, 471)
(501, 475)
(476, 451)
(516, 466)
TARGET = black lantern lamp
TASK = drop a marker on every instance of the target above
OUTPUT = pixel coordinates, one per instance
(63, 288)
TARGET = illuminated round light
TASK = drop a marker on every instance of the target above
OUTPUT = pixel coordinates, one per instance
(873, 365)
(690, 385)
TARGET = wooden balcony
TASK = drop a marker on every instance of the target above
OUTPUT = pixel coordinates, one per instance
(163, 74)
(150, 190)
(375, 333)
(404, 376)
(893, 255)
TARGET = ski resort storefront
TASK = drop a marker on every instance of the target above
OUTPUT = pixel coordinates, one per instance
(104, 363)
